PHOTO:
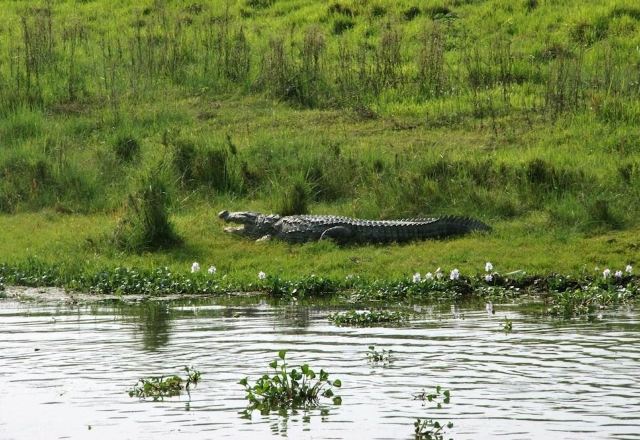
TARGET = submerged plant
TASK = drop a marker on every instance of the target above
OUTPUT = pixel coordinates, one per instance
(289, 388)
(429, 429)
(368, 317)
(159, 387)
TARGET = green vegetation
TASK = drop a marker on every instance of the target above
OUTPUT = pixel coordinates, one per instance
(507, 325)
(159, 387)
(364, 108)
(561, 296)
(429, 429)
(377, 356)
(368, 318)
(293, 389)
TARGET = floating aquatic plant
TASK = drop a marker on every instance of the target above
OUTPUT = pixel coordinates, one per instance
(295, 388)
(159, 387)
(378, 356)
(507, 325)
(368, 317)
(429, 429)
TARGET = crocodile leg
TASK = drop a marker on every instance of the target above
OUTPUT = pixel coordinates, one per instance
(339, 234)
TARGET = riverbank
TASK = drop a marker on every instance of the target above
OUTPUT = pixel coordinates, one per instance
(560, 295)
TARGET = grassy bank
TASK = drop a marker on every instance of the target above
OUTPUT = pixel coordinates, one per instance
(363, 108)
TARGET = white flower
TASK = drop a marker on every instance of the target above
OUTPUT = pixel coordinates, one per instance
(195, 267)
(416, 277)
(455, 274)
(606, 273)
(488, 267)
(212, 270)
(439, 273)
(428, 276)
(488, 278)
(628, 269)
(262, 275)
(618, 274)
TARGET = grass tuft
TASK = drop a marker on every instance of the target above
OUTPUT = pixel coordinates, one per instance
(144, 224)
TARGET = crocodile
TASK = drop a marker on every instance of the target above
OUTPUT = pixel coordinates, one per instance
(344, 230)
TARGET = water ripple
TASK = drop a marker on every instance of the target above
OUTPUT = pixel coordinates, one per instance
(66, 370)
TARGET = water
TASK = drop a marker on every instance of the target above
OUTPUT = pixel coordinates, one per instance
(65, 370)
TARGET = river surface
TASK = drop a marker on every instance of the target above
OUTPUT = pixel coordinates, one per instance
(65, 372)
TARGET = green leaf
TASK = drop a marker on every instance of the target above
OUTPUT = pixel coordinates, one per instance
(337, 383)
(327, 393)
(243, 381)
(282, 353)
(305, 369)
(337, 400)
(274, 364)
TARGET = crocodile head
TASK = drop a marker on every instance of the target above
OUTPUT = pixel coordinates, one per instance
(252, 224)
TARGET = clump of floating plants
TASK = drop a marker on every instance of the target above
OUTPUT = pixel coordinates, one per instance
(429, 429)
(289, 388)
(159, 387)
(368, 318)
(507, 325)
(378, 356)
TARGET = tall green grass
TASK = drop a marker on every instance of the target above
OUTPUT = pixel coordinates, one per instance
(371, 109)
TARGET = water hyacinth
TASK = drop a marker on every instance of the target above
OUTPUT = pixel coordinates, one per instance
(455, 274)
(618, 274)
(195, 267)
(439, 273)
(488, 278)
(606, 273)
(628, 269)
(488, 267)
(416, 277)
(262, 275)
(212, 270)
(428, 276)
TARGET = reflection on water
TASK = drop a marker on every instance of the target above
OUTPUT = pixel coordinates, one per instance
(65, 372)
(153, 319)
